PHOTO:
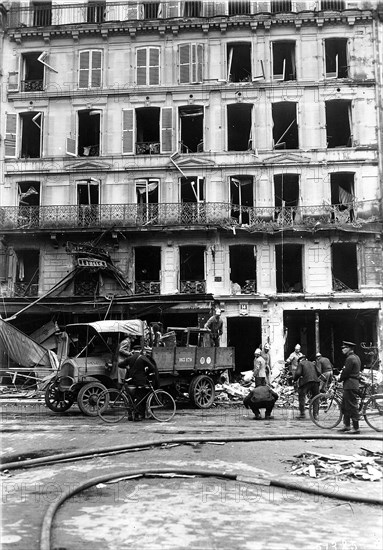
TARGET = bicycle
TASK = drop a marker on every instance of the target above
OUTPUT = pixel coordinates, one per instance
(325, 408)
(113, 405)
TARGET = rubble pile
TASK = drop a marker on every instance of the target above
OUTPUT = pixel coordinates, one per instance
(367, 467)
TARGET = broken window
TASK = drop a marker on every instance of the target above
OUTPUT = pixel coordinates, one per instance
(338, 123)
(148, 66)
(288, 259)
(192, 199)
(88, 200)
(33, 71)
(239, 62)
(42, 13)
(152, 10)
(28, 203)
(241, 198)
(284, 61)
(147, 268)
(192, 9)
(191, 129)
(148, 131)
(336, 58)
(280, 6)
(89, 133)
(285, 126)
(286, 197)
(31, 134)
(95, 11)
(239, 8)
(147, 200)
(243, 269)
(342, 196)
(239, 127)
(190, 63)
(344, 266)
(27, 273)
(332, 5)
(90, 69)
(192, 269)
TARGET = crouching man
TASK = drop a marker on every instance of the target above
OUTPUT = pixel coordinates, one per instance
(261, 397)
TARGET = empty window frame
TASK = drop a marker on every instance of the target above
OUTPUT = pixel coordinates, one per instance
(148, 66)
(338, 123)
(90, 69)
(89, 124)
(239, 127)
(336, 57)
(241, 198)
(286, 190)
(95, 11)
(31, 134)
(191, 121)
(147, 196)
(42, 13)
(148, 131)
(33, 72)
(344, 266)
(284, 60)
(280, 6)
(152, 10)
(28, 203)
(88, 200)
(27, 272)
(147, 269)
(285, 126)
(239, 8)
(192, 9)
(190, 58)
(192, 269)
(332, 4)
(239, 62)
(192, 196)
(243, 268)
(342, 196)
(288, 259)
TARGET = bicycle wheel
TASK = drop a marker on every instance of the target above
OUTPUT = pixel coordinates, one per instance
(112, 405)
(325, 411)
(373, 412)
(161, 406)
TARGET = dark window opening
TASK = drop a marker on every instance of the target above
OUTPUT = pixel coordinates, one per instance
(239, 8)
(192, 9)
(332, 5)
(42, 14)
(342, 196)
(288, 259)
(239, 62)
(88, 133)
(344, 266)
(147, 269)
(191, 131)
(31, 124)
(243, 268)
(284, 61)
(88, 200)
(151, 10)
(86, 283)
(95, 12)
(285, 126)
(29, 201)
(241, 198)
(148, 131)
(192, 197)
(33, 72)
(338, 123)
(286, 197)
(192, 269)
(239, 134)
(280, 6)
(336, 57)
(27, 273)
(147, 200)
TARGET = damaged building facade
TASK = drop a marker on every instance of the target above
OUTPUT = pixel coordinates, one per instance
(160, 159)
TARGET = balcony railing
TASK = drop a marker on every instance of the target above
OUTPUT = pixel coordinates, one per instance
(193, 287)
(147, 287)
(214, 214)
(32, 85)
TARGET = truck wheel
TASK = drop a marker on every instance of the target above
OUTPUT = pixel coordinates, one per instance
(202, 391)
(88, 396)
(56, 400)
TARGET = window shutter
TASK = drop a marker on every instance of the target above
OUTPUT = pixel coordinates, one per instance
(141, 66)
(154, 66)
(10, 135)
(13, 81)
(3, 265)
(166, 129)
(173, 9)
(199, 75)
(71, 146)
(96, 69)
(132, 12)
(127, 130)
(83, 77)
(184, 63)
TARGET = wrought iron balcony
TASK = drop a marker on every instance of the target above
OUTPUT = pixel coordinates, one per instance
(226, 215)
(147, 287)
(32, 85)
(148, 148)
(193, 287)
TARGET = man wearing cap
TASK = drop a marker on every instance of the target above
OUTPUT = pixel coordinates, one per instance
(350, 378)
(214, 324)
(293, 358)
(265, 353)
(307, 373)
(325, 369)
(259, 372)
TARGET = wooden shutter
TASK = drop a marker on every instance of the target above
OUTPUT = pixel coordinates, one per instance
(184, 63)
(83, 73)
(196, 62)
(127, 131)
(3, 265)
(141, 66)
(96, 67)
(166, 129)
(10, 135)
(13, 81)
(131, 13)
(154, 66)
(173, 9)
(71, 146)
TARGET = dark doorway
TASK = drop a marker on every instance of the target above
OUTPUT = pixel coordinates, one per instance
(299, 328)
(245, 335)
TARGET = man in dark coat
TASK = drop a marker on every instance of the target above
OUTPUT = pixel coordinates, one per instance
(350, 378)
(261, 397)
(325, 368)
(307, 373)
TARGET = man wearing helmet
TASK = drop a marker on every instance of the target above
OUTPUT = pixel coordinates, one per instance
(266, 356)
(259, 372)
(292, 360)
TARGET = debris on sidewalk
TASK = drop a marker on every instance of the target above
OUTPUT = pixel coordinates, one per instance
(367, 467)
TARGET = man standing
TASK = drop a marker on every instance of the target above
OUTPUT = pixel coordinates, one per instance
(259, 372)
(307, 374)
(292, 360)
(266, 356)
(350, 378)
(261, 397)
(215, 324)
(325, 369)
